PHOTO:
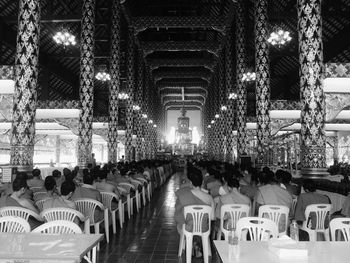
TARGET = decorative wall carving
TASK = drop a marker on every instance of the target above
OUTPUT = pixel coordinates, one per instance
(58, 104)
(7, 72)
(337, 70)
(335, 103)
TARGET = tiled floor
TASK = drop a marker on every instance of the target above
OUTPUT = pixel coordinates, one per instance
(150, 235)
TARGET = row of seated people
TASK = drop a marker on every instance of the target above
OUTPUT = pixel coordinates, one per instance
(60, 191)
(214, 184)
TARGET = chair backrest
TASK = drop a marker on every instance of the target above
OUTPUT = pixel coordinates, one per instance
(321, 212)
(276, 213)
(36, 189)
(88, 207)
(259, 229)
(127, 186)
(40, 195)
(341, 224)
(40, 204)
(62, 213)
(231, 213)
(107, 199)
(199, 213)
(12, 224)
(58, 227)
(294, 204)
(20, 212)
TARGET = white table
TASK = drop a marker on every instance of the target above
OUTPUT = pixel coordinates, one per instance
(319, 252)
(47, 248)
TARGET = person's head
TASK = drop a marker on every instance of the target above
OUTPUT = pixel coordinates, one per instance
(232, 182)
(88, 179)
(50, 183)
(92, 155)
(56, 174)
(67, 188)
(36, 173)
(309, 185)
(266, 177)
(287, 177)
(22, 176)
(195, 176)
(19, 186)
(279, 175)
(102, 174)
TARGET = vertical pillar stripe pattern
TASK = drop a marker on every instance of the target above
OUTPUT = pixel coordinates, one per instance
(138, 101)
(26, 81)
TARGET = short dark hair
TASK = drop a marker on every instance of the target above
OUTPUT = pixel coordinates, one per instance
(279, 174)
(88, 179)
(102, 174)
(56, 173)
(287, 177)
(36, 173)
(22, 176)
(195, 176)
(309, 185)
(50, 183)
(18, 184)
(66, 171)
(67, 187)
(232, 182)
(266, 177)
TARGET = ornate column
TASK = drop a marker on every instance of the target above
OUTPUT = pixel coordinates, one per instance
(262, 70)
(129, 101)
(335, 149)
(230, 87)
(114, 85)
(221, 121)
(146, 125)
(26, 79)
(241, 88)
(313, 137)
(138, 101)
(87, 42)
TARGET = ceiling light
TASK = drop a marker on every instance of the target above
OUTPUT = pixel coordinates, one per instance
(212, 122)
(144, 116)
(232, 96)
(64, 38)
(154, 125)
(123, 96)
(136, 107)
(103, 76)
(217, 116)
(249, 76)
(209, 126)
(279, 37)
(223, 108)
(150, 121)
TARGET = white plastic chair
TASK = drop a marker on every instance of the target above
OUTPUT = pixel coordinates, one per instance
(322, 213)
(130, 200)
(20, 212)
(341, 226)
(67, 214)
(35, 189)
(107, 199)
(136, 184)
(13, 224)
(259, 229)
(294, 204)
(198, 213)
(88, 207)
(231, 213)
(58, 227)
(40, 204)
(276, 213)
(144, 184)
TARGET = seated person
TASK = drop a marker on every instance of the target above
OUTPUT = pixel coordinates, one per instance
(103, 186)
(16, 198)
(284, 178)
(310, 197)
(63, 200)
(191, 196)
(233, 197)
(225, 189)
(248, 183)
(57, 175)
(36, 181)
(50, 187)
(87, 190)
(214, 186)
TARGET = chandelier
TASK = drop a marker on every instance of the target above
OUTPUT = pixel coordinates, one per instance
(212, 122)
(279, 37)
(64, 38)
(223, 108)
(249, 76)
(150, 121)
(123, 96)
(103, 76)
(136, 107)
(209, 126)
(232, 96)
(144, 116)
(217, 116)
(154, 125)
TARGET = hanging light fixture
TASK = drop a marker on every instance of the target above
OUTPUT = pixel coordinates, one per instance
(150, 121)
(209, 126)
(232, 96)
(212, 122)
(103, 75)
(223, 108)
(249, 76)
(154, 125)
(217, 116)
(279, 37)
(123, 96)
(65, 38)
(136, 108)
(144, 116)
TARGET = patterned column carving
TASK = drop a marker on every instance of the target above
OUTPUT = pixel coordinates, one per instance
(216, 106)
(146, 125)
(221, 120)
(129, 101)
(262, 81)
(26, 79)
(241, 88)
(336, 149)
(114, 85)
(313, 137)
(138, 101)
(87, 42)
(230, 87)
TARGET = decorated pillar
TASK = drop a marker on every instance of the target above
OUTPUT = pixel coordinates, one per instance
(241, 88)
(129, 100)
(114, 85)
(313, 136)
(221, 121)
(146, 125)
(262, 70)
(26, 80)
(87, 42)
(230, 88)
(138, 102)
(335, 149)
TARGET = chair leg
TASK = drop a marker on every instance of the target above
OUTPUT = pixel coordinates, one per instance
(326, 234)
(205, 244)
(114, 221)
(106, 225)
(218, 235)
(189, 245)
(120, 211)
(97, 231)
(181, 245)
(144, 195)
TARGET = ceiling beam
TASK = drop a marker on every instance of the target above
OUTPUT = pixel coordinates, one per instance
(200, 74)
(189, 107)
(185, 62)
(186, 83)
(186, 102)
(172, 90)
(194, 22)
